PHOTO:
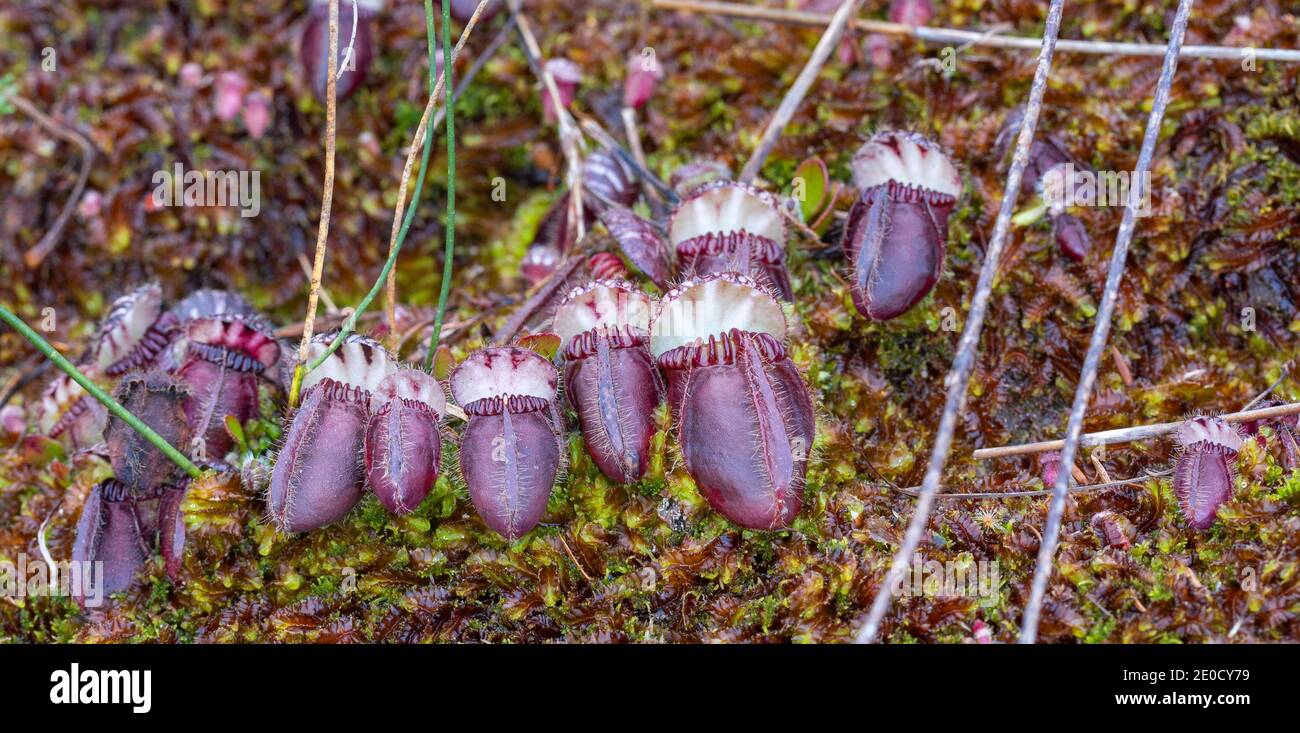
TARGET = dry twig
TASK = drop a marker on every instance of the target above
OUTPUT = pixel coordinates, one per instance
(327, 201)
(959, 375)
(38, 252)
(1128, 435)
(1100, 332)
(829, 42)
(950, 36)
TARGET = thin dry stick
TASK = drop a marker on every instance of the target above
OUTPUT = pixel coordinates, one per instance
(1083, 392)
(794, 97)
(982, 495)
(390, 287)
(1286, 372)
(347, 55)
(600, 135)
(38, 252)
(351, 323)
(327, 200)
(954, 36)
(1128, 435)
(633, 133)
(959, 376)
(330, 307)
(570, 137)
(577, 564)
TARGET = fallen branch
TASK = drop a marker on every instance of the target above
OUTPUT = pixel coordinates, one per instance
(39, 251)
(1074, 489)
(951, 36)
(1128, 435)
(794, 97)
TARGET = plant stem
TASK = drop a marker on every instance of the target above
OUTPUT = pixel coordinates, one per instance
(450, 224)
(93, 389)
(351, 323)
(327, 201)
(399, 237)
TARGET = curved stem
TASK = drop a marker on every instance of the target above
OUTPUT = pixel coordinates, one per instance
(327, 202)
(351, 323)
(399, 236)
(93, 390)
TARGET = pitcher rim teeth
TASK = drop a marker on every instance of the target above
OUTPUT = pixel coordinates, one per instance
(743, 304)
(525, 374)
(918, 161)
(632, 307)
(770, 222)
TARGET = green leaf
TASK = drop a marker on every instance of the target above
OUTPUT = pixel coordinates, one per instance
(811, 181)
(237, 432)
(8, 88)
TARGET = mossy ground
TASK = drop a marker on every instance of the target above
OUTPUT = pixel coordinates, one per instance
(652, 562)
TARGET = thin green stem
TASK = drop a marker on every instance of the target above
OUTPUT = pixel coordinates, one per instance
(450, 225)
(351, 323)
(431, 37)
(93, 389)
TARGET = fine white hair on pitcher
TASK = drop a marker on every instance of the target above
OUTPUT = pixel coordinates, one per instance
(1212, 430)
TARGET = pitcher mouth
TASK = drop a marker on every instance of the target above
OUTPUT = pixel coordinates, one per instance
(721, 349)
(127, 323)
(611, 304)
(229, 336)
(711, 306)
(503, 371)
(726, 206)
(762, 249)
(359, 361)
(1210, 430)
(907, 158)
